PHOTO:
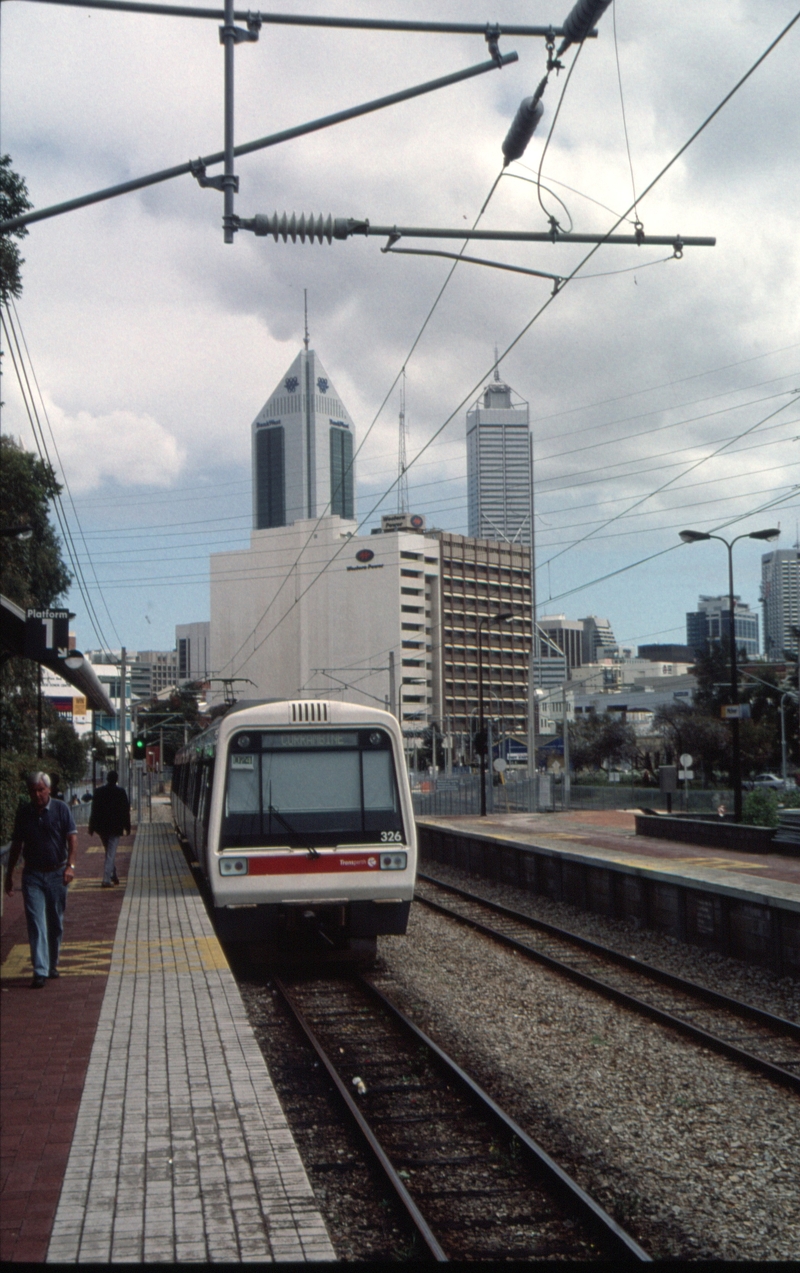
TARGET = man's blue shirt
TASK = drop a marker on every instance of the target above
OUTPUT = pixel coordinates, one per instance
(43, 834)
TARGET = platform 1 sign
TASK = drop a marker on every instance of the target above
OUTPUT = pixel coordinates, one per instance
(46, 634)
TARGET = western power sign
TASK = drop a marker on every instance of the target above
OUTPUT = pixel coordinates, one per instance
(46, 633)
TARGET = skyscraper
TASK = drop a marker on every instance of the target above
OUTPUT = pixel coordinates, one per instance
(780, 596)
(303, 447)
(711, 621)
(499, 466)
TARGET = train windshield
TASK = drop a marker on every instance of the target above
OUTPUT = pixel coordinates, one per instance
(311, 788)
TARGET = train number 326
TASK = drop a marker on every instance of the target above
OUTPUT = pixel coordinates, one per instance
(391, 837)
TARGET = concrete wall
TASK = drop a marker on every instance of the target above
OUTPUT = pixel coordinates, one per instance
(748, 928)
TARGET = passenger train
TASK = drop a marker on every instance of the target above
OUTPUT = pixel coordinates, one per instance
(299, 815)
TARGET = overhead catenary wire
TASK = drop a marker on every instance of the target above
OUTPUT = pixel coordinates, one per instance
(63, 471)
(697, 132)
(41, 446)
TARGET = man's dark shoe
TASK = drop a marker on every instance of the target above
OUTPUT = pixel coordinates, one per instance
(115, 878)
(53, 974)
(106, 884)
(38, 982)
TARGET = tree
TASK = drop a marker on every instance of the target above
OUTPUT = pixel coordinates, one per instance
(686, 728)
(68, 750)
(598, 739)
(32, 571)
(13, 202)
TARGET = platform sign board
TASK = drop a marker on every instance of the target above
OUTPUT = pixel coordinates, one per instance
(46, 633)
(686, 775)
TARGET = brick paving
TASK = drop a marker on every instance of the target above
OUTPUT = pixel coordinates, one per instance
(160, 1112)
(46, 1038)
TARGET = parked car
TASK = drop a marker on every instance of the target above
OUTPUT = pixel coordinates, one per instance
(772, 781)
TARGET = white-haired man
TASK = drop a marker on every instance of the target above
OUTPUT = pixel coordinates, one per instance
(45, 835)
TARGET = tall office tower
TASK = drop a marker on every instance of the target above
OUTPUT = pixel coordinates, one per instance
(711, 621)
(780, 597)
(567, 635)
(599, 641)
(303, 447)
(499, 466)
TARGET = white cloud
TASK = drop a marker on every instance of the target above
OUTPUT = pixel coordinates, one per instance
(120, 448)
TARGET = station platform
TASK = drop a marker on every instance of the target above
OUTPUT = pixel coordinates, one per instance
(139, 1121)
(743, 904)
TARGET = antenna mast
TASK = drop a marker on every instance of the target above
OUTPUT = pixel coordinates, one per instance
(305, 318)
(402, 476)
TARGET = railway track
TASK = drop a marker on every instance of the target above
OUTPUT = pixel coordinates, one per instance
(760, 1040)
(473, 1183)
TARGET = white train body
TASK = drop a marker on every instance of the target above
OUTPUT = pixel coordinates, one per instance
(300, 816)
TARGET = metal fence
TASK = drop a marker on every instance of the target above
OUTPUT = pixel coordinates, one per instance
(446, 797)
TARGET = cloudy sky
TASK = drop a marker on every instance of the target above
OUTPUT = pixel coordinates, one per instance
(154, 344)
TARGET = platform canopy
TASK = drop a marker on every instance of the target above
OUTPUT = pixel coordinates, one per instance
(15, 642)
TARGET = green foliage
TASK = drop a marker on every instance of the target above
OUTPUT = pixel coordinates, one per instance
(600, 738)
(69, 752)
(694, 730)
(32, 571)
(760, 808)
(790, 799)
(13, 202)
(13, 788)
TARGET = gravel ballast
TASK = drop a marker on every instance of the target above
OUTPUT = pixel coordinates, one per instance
(697, 1157)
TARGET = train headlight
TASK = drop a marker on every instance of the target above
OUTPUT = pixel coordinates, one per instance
(233, 866)
(394, 861)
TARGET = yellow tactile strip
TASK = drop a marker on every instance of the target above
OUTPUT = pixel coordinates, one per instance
(181, 1150)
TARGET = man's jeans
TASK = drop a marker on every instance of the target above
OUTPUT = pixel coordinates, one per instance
(45, 896)
(110, 843)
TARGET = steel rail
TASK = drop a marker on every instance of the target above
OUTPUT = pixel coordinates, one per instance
(591, 1210)
(415, 1215)
(715, 997)
(696, 1033)
(197, 166)
(313, 20)
(577, 1198)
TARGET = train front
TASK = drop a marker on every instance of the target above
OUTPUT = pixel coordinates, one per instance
(314, 827)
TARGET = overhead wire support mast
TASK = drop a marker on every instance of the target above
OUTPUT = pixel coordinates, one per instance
(197, 167)
(325, 230)
(390, 25)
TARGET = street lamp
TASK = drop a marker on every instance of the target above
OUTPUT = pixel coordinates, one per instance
(487, 618)
(693, 537)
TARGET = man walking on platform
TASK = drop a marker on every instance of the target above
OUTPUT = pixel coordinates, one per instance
(45, 835)
(110, 818)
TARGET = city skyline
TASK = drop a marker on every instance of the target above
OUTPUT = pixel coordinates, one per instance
(154, 344)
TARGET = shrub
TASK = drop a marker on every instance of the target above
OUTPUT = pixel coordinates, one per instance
(760, 808)
(790, 799)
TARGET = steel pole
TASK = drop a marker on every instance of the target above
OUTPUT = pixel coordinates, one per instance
(737, 749)
(481, 726)
(228, 35)
(783, 742)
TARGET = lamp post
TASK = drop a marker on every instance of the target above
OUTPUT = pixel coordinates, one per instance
(693, 537)
(487, 618)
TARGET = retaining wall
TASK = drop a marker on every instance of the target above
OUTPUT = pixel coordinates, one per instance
(748, 926)
(718, 835)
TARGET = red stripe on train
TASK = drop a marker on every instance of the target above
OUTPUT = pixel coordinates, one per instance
(325, 864)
